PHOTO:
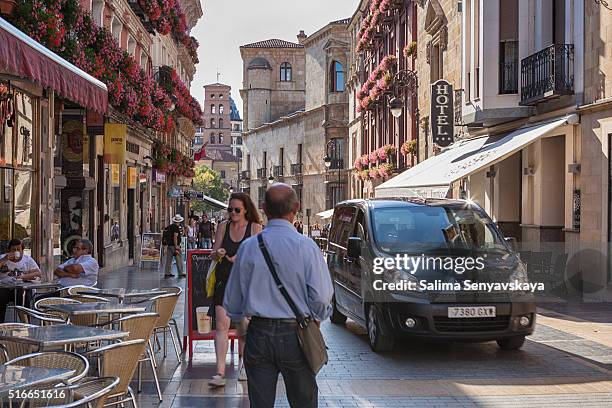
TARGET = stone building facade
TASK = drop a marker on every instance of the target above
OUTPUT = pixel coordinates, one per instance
(305, 121)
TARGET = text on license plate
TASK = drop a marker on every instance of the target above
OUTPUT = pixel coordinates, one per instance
(471, 311)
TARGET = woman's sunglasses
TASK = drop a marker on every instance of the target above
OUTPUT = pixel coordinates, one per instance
(236, 210)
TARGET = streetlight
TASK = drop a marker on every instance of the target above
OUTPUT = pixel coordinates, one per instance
(327, 160)
(231, 189)
(397, 106)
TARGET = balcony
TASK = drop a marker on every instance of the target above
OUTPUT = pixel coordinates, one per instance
(547, 74)
(262, 173)
(245, 175)
(278, 171)
(296, 169)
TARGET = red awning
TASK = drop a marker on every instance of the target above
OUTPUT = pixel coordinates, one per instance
(21, 56)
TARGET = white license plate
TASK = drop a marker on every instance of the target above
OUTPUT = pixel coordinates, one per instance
(471, 311)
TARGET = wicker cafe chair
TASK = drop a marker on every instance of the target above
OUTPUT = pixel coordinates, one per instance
(164, 306)
(89, 298)
(14, 349)
(91, 394)
(84, 320)
(4, 357)
(31, 316)
(75, 290)
(140, 326)
(56, 359)
(175, 290)
(120, 360)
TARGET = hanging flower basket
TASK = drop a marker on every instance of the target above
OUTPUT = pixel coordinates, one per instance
(410, 49)
(7, 7)
(386, 170)
(408, 147)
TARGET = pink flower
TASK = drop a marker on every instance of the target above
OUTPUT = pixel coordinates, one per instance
(374, 156)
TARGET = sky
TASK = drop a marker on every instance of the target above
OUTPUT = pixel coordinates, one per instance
(228, 24)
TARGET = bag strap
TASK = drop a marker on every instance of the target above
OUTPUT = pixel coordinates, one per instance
(300, 318)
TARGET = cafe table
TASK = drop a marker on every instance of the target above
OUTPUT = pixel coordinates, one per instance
(122, 293)
(28, 285)
(13, 377)
(59, 335)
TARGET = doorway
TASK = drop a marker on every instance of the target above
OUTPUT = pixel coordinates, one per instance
(130, 223)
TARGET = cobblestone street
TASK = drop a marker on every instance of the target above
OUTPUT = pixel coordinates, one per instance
(566, 363)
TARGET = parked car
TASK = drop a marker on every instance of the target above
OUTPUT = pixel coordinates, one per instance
(366, 233)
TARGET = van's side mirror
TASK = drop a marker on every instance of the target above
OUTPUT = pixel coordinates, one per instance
(512, 242)
(354, 248)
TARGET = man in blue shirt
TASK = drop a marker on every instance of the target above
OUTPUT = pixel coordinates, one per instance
(272, 343)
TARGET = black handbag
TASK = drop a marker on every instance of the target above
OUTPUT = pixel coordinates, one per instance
(309, 334)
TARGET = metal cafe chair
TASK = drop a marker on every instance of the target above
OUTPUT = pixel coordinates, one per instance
(92, 393)
(175, 290)
(29, 316)
(164, 306)
(120, 360)
(55, 359)
(14, 349)
(140, 326)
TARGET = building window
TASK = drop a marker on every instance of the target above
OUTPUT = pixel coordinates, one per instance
(220, 123)
(220, 96)
(285, 72)
(508, 47)
(212, 96)
(143, 60)
(236, 127)
(222, 174)
(213, 109)
(220, 137)
(220, 109)
(212, 138)
(337, 77)
(131, 45)
(212, 123)
(116, 28)
(97, 10)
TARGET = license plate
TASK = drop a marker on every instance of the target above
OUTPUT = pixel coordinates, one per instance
(471, 311)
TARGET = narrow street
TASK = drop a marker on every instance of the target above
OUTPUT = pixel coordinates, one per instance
(566, 363)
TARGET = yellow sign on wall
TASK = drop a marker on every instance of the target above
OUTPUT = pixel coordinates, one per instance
(115, 135)
(132, 177)
(116, 175)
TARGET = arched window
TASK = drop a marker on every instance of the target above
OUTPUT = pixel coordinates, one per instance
(285, 72)
(220, 123)
(337, 77)
(220, 109)
(212, 96)
(131, 45)
(212, 124)
(213, 109)
(97, 11)
(116, 28)
(212, 138)
(220, 138)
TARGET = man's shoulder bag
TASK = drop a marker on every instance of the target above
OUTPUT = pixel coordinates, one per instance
(310, 337)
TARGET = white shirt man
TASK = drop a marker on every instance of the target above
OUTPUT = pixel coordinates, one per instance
(81, 269)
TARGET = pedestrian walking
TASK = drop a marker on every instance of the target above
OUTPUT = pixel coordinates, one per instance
(206, 231)
(192, 234)
(243, 223)
(272, 344)
(171, 239)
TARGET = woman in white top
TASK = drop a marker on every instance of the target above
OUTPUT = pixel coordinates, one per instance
(15, 265)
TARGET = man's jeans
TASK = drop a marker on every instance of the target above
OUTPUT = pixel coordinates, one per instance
(168, 260)
(206, 243)
(273, 347)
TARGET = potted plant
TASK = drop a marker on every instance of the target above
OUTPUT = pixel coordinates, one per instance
(408, 147)
(410, 49)
(386, 170)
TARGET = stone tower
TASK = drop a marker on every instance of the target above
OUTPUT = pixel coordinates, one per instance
(273, 80)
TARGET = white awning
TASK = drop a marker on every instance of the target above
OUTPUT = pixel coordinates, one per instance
(435, 175)
(325, 214)
(214, 202)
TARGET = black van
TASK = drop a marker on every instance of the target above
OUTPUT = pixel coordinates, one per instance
(376, 244)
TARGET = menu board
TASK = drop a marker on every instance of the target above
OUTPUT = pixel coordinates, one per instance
(151, 248)
(198, 262)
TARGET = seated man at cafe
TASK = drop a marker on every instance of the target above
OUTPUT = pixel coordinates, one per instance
(81, 269)
(15, 265)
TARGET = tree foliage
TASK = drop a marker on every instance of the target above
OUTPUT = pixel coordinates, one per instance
(209, 182)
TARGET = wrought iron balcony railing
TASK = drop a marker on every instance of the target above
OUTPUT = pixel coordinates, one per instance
(296, 169)
(278, 171)
(245, 175)
(336, 164)
(262, 173)
(547, 74)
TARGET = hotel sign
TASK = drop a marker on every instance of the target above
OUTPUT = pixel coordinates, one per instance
(442, 113)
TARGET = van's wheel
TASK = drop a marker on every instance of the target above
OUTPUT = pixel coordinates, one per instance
(337, 317)
(512, 343)
(379, 342)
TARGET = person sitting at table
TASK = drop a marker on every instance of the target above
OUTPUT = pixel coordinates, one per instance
(81, 269)
(17, 265)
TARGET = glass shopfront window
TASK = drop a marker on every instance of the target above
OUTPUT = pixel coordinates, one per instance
(18, 176)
